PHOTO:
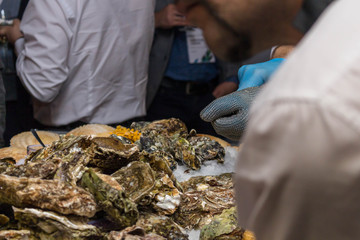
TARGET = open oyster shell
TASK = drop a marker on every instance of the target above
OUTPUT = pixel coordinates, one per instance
(50, 225)
(166, 197)
(46, 194)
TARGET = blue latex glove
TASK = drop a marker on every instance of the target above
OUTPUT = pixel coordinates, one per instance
(229, 114)
(255, 75)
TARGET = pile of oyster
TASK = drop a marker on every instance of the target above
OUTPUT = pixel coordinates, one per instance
(82, 187)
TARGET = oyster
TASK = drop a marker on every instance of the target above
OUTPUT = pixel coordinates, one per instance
(112, 154)
(166, 197)
(224, 227)
(114, 202)
(46, 194)
(203, 198)
(15, 234)
(137, 179)
(64, 160)
(171, 136)
(162, 226)
(67, 158)
(160, 165)
(207, 149)
(139, 126)
(6, 163)
(172, 127)
(186, 153)
(133, 233)
(50, 225)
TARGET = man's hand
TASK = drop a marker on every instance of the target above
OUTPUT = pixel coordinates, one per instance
(255, 75)
(224, 88)
(12, 33)
(169, 17)
(229, 114)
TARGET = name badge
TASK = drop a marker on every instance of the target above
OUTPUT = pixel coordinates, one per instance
(198, 51)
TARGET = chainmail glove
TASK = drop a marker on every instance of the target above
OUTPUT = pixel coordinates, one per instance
(228, 115)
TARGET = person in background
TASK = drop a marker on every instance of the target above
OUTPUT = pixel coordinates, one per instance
(178, 85)
(298, 172)
(229, 115)
(84, 61)
(19, 113)
(2, 108)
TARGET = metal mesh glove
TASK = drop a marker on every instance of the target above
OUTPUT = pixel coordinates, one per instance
(229, 114)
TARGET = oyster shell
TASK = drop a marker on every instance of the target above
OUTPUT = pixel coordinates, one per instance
(166, 197)
(207, 149)
(6, 163)
(94, 130)
(115, 203)
(161, 225)
(13, 152)
(225, 226)
(160, 165)
(203, 198)
(24, 139)
(133, 233)
(185, 152)
(172, 127)
(64, 160)
(68, 158)
(50, 225)
(46, 194)
(137, 179)
(15, 234)
(112, 154)
(171, 136)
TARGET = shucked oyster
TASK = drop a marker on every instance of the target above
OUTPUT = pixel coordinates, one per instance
(166, 197)
(203, 198)
(46, 194)
(114, 202)
(50, 225)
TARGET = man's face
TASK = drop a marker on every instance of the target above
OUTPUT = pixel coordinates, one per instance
(237, 29)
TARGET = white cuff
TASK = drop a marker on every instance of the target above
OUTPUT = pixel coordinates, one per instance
(273, 51)
(19, 45)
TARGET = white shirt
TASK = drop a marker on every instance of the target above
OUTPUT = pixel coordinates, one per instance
(298, 175)
(86, 60)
